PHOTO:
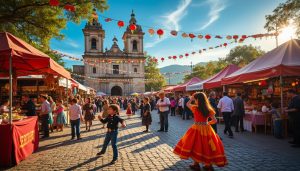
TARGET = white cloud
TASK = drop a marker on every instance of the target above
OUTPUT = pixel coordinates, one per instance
(171, 21)
(72, 43)
(216, 7)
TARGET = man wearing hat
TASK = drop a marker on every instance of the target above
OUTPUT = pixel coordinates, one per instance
(163, 104)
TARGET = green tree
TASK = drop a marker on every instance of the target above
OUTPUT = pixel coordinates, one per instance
(198, 71)
(37, 22)
(282, 15)
(155, 81)
(242, 55)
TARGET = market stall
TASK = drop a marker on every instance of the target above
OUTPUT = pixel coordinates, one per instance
(18, 140)
(265, 79)
(18, 58)
(196, 87)
(182, 87)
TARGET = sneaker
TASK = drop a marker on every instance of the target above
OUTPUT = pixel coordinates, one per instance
(72, 138)
(166, 130)
(113, 161)
(160, 130)
(79, 138)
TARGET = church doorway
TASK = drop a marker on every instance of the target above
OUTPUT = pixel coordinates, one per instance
(116, 91)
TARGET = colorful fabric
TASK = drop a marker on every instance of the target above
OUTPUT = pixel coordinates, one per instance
(201, 143)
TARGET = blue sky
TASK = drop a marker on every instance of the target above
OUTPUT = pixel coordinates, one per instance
(199, 16)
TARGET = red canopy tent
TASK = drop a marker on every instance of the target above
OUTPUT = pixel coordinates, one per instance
(26, 60)
(215, 81)
(18, 58)
(281, 61)
(169, 89)
(182, 87)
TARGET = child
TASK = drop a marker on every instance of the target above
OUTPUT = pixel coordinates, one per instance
(61, 118)
(200, 142)
(129, 111)
(112, 130)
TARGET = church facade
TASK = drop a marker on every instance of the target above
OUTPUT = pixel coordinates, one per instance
(114, 71)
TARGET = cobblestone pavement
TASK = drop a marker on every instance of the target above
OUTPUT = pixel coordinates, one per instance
(153, 150)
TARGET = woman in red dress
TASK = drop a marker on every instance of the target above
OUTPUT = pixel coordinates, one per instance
(200, 142)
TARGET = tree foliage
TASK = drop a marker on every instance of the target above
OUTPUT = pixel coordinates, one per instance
(157, 81)
(240, 55)
(37, 22)
(282, 15)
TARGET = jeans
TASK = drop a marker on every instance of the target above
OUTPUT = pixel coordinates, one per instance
(75, 125)
(186, 114)
(239, 121)
(99, 108)
(227, 120)
(172, 111)
(163, 117)
(111, 136)
(180, 110)
(45, 127)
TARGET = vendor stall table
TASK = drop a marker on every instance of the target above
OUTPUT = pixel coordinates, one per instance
(18, 140)
(253, 120)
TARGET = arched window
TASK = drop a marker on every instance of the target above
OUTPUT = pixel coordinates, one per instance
(94, 70)
(135, 69)
(94, 43)
(134, 46)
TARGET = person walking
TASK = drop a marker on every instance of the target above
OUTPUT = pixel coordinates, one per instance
(75, 117)
(133, 106)
(88, 112)
(163, 107)
(213, 103)
(105, 108)
(226, 107)
(129, 110)
(173, 106)
(200, 142)
(141, 107)
(239, 112)
(112, 130)
(146, 117)
(293, 111)
(45, 114)
(60, 116)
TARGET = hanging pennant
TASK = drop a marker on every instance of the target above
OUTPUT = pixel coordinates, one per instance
(151, 31)
(108, 20)
(228, 37)
(218, 37)
(121, 24)
(184, 35)
(69, 7)
(235, 37)
(162, 59)
(54, 3)
(192, 36)
(132, 28)
(174, 32)
(160, 32)
(200, 36)
(207, 37)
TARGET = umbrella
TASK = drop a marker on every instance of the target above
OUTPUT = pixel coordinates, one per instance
(99, 93)
(134, 94)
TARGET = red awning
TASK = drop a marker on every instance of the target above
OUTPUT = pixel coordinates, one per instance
(74, 83)
(26, 60)
(215, 81)
(169, 89)
(281, 61)
(182, 87)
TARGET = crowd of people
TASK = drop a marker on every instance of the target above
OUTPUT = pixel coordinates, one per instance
(201, 108)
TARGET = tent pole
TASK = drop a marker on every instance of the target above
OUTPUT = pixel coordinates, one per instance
(67, 96)
(224, 88)
(281, 93)
(10, 89)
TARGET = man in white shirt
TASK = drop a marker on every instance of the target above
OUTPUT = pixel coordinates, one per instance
(181, 105)
(163, 105)
(75, 117)
(226, 108)
(44, 114)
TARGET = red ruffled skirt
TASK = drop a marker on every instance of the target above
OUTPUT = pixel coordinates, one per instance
(203, 145)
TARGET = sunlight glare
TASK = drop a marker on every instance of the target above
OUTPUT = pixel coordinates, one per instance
(288, 32)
